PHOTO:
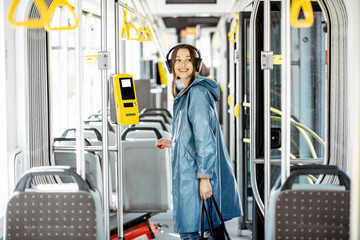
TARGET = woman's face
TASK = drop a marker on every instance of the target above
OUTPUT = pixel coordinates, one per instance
(183, 65)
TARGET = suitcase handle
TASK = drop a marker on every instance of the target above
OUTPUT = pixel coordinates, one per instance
(97, 133)
(25, 181)
(158, 134)
(155, 115)
(153, 121)
(316, 169)
(147, 110)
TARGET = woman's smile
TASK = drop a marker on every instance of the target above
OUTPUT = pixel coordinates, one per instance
(183, 70)
(183, 65)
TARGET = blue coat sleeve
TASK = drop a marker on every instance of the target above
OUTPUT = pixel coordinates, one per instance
(201, 116)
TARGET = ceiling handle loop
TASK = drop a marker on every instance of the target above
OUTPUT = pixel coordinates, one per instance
(60, 3)
(233, 35)
(29, 23)
(125, 27)
(295, 8)
(142, 33)
(132, 26)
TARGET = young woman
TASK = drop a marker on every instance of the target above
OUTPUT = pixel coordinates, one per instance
(200, 162)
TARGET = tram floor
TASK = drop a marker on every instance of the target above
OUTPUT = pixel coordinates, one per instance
(166, 231)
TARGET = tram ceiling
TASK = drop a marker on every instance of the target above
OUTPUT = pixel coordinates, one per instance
(183, 22)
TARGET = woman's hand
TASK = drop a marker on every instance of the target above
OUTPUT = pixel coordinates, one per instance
(163, 143)
(205, 188)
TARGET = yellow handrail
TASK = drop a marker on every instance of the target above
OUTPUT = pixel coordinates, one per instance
(125, 27)
(30, 23)
(145, 34)
(237, 110)
(142, 33)
(295, 8)
(233, 35)
(148, 32)
(132, 26)
(45, 15)
(230, 100)
(60, 3)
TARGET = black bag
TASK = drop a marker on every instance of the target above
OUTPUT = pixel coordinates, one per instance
(219, 233)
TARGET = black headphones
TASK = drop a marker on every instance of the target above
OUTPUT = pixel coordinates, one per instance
(198, 60)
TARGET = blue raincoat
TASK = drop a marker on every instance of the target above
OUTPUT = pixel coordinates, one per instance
(198, 150)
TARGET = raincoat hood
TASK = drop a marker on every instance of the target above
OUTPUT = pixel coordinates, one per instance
(209, 84)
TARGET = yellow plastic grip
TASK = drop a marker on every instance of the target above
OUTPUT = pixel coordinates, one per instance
(223, 87)
(60, 3)
(29, 23)
(162, 73)
(233, 35)
(125, 27)
(237, 110)
(45, 15)
(132, 26)
(230, 100)
(295, 8)
(145, 34)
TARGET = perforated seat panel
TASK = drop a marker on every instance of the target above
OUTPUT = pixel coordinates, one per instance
(34, 215)
(307, 214)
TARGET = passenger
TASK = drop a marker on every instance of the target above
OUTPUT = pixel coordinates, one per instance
(200, 161)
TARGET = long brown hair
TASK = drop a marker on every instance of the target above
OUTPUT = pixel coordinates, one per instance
(193, 56)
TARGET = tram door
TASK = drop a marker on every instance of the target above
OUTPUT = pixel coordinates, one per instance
(309, 104)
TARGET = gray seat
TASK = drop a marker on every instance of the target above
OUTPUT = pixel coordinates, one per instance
(320, 211)
(155, 123)
(157, 117)
(159, 111)
(58, 212)
(68, 158)
(146, 171)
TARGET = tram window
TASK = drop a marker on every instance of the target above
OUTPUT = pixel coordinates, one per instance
(62, 59)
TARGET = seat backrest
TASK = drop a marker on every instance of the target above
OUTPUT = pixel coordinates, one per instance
(167, 125)
(146, 175)
(310, 213)
(92, 166)
(53, 214)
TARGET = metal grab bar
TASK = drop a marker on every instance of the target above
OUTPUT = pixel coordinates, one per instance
(105, 127)
(285, 89)
(267, 124)
(253, 181)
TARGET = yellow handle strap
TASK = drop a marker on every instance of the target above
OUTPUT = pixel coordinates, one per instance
(230, 100)
(125, 26)
(223, 87)
(30, 23)
(147, 30)
(132, 26)
(295, 8)
(142, 32)
(237, 110)
(60, 3)
(233, 35)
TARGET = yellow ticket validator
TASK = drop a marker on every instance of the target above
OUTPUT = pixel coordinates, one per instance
(127, 111)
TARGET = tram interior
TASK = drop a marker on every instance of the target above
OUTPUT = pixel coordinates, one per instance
(62, 82)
